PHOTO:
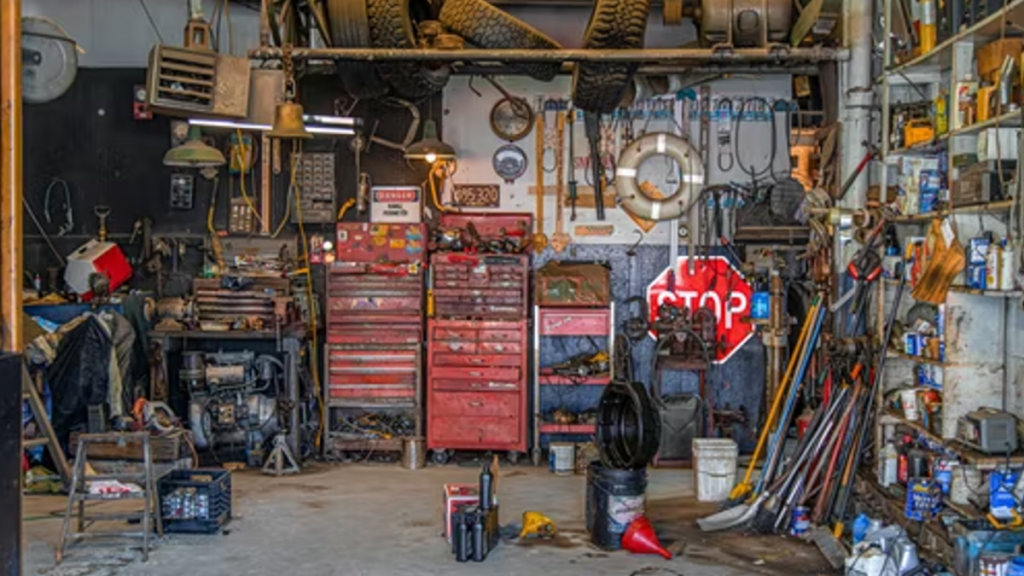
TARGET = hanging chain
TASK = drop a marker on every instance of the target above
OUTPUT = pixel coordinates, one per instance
(289, 72)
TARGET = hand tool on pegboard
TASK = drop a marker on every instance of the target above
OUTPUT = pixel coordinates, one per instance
(592, 123)
(571, 122)
(560, 240)
(540, 240)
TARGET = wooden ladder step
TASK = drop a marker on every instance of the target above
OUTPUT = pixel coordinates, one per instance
(111, 497)
(124, 477)
(34, 442)
(113, 517)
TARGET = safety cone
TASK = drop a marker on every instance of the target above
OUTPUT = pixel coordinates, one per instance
(640, 538)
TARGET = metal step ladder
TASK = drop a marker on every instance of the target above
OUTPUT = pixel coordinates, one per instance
(79, 494)
(49, 437)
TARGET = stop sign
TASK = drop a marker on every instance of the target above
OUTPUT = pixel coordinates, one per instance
(715, 284)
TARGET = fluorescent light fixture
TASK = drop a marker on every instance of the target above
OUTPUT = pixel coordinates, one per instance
(329, 130)
(332, 120)
(332, 125)
(231, 124)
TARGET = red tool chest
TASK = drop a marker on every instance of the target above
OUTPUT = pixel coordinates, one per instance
(375, 312)
(477, 341)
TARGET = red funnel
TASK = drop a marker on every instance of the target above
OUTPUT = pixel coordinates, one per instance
(640, 538)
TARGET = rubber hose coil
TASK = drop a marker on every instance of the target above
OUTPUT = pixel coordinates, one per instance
(638, 152)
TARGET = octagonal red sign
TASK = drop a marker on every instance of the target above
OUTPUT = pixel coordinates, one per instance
(714, 284)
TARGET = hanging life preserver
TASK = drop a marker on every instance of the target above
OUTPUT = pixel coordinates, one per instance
(690, 182)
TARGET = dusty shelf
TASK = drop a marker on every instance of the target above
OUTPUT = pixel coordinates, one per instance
(1000, 206)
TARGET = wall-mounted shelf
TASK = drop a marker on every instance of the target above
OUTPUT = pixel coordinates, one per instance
(919, 359)
(928, 66)
(971, 291)
(568, 428)
(1000, 206)
(965, 452)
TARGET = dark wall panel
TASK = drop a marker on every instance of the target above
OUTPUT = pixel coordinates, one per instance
(90, 139)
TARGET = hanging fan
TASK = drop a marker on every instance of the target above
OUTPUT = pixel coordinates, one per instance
(49, 60)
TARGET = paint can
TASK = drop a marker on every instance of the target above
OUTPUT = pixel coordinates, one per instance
(414, 453)
(994, 564)
(908, 400)
(1016, 566)
(562, 458)
(800, 521)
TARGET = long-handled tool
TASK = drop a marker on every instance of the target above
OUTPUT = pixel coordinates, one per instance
(743, 513)
(571, 121)
(592, 123)
(742, 490)
(858, 445)
(779, 438)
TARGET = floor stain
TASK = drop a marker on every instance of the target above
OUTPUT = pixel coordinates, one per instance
(314, 505)
(772, 555)
(560, 540)
(422, 523)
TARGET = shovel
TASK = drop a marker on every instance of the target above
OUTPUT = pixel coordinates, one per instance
(735, 516)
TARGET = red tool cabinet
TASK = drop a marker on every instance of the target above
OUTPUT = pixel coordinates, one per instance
(477, 342)
(477, 386)
(373, 355)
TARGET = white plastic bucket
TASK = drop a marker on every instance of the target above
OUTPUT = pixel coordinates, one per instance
(562, 458)
(714, 468)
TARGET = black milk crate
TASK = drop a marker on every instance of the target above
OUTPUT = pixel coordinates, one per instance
(195, 501)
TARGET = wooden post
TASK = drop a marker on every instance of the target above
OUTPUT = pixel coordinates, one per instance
(10, 176)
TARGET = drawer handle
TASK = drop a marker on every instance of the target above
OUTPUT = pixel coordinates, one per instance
(499, 348)
(476, 374)
(477, 360)
(476, 403)
(475, 385)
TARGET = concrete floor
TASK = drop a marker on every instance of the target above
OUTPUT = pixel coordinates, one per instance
(377, 519)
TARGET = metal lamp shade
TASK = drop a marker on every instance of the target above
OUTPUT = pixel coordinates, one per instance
(194, 153)
(430, 145)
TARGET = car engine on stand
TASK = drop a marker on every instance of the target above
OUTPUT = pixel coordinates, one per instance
(233, 400)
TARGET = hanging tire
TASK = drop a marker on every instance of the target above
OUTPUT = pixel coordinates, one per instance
(628, 426)
(391, 26)
(597, 86)
(350, 28)
(484, 25)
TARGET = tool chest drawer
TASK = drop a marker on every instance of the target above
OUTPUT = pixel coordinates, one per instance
(476, 385)
(476, 433)
(476, 404)
(473, 373)
(472, 360)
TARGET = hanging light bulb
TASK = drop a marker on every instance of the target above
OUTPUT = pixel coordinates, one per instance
(430, 148)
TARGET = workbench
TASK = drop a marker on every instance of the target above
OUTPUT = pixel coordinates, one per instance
(288, 342)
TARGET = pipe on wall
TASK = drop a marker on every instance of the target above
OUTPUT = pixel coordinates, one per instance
(650, 55)
(10, 176)
(857, 96)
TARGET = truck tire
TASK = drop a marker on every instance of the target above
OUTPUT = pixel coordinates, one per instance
(597, 86)
(350, 28)
(391, 27)
(484, 25)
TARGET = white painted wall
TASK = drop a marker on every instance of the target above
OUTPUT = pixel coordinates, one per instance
(117, 33)
(467, 128)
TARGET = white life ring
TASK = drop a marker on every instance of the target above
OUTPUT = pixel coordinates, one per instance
(640, 150)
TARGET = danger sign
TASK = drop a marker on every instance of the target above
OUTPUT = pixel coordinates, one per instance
(395, 204)
(715, 285)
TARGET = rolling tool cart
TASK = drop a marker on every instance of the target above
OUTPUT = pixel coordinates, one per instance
(373, 359)
(477, 339)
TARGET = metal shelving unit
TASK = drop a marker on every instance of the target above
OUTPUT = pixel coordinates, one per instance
(566, 322)
(976, 368)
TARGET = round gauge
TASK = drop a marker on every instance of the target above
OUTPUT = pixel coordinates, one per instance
(511, 119)
(509, 162)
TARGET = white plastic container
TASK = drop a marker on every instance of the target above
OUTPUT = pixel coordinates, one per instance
(908, 399)
(714, 468)
(562, 458)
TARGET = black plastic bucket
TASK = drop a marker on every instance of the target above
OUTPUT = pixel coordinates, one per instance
(614, 499)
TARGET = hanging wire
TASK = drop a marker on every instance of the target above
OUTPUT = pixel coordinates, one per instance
(152, 22)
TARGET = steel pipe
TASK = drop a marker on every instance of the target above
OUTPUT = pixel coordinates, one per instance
(10, 177)
(645, 55)
(329, 69)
